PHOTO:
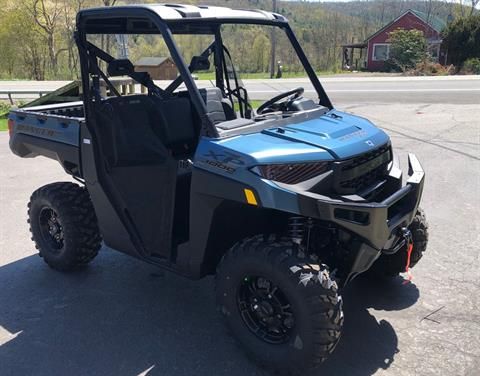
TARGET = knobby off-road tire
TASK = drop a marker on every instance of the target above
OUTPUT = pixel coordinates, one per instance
(64, 225)
(393, 265)
(305, 289)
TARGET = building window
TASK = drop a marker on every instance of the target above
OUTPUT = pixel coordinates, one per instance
(381, 52)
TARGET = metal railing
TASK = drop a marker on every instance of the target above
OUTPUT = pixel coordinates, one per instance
(123, 85)
(11, 93)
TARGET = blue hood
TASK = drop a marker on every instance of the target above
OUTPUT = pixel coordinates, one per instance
(341, 134)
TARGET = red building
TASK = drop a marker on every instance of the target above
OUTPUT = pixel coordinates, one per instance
(375, 50)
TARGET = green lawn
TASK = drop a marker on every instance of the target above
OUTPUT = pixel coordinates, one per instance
(255, 104)
(3, 124)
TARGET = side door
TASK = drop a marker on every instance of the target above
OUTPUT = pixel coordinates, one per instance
(131, 176)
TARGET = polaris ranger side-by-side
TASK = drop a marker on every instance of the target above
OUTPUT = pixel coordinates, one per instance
(284, 204)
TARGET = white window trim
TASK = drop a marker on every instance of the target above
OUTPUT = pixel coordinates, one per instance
(380, 44)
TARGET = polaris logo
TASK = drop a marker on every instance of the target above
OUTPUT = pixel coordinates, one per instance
(370, 143)
(36, 130)
(226, 158)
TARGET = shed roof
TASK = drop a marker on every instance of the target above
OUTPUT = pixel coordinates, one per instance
(152, 61)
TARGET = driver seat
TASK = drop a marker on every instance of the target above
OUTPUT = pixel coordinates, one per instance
(219, 108)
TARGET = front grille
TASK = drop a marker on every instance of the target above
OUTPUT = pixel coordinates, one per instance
(363, 181)
(364, 158)
(293, 173)
(359, 173)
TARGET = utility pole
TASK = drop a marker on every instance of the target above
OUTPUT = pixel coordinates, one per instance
(273, 42)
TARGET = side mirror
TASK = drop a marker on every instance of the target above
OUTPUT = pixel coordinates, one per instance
(120, 67)
(199, 63)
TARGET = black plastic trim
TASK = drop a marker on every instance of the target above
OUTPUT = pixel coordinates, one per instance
(26, 146)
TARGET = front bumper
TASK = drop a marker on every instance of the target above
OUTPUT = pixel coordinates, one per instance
(377, 224)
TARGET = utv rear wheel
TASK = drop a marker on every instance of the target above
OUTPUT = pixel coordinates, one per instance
(393, 265)
(64, 225)
(285, 312)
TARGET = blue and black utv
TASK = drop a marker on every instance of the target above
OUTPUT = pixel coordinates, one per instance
(284, 204)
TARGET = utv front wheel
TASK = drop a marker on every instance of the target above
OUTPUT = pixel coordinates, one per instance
(285, 312)
(64, 225)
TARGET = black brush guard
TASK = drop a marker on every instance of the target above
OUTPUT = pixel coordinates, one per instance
(376, 225)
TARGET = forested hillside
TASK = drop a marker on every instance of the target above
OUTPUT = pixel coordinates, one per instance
(36, 35)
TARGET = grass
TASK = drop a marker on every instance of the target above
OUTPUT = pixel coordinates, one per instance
(255, 104)
(3, 125)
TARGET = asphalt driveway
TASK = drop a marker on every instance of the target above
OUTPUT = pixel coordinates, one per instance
(121, 317)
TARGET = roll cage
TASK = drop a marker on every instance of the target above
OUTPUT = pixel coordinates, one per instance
(167, 20)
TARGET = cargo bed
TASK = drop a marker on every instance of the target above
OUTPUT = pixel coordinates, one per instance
(52, 131)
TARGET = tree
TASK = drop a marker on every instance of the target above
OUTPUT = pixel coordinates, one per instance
(260, 48)
(36, 35)
(21, 44)
(46, 15)
(407, 48)
(462, 39)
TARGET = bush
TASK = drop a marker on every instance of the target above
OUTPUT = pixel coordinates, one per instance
(428, 68)
(407, 48)
(4, 109)
(471, 66)
(462, 39)
(391, 67)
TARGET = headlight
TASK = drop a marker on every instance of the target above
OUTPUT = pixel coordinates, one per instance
(292, 173)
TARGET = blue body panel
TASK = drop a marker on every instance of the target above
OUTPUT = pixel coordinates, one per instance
(56, 128)
(343, 135)
(333, 136)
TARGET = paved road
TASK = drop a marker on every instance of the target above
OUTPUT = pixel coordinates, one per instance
(365, 90)
(458, 90)
(120, 317)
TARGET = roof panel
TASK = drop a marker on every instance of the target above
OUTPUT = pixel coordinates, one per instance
(223, 12)
(182, 11)
(152, 61)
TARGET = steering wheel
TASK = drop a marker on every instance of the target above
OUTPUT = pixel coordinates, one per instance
(295, 93)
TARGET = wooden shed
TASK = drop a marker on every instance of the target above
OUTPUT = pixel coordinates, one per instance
(159, 68)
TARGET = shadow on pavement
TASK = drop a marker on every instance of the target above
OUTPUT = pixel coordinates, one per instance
(368, 345)
(122, 317)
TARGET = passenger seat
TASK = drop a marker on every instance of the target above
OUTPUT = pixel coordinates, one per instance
(219, 108)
